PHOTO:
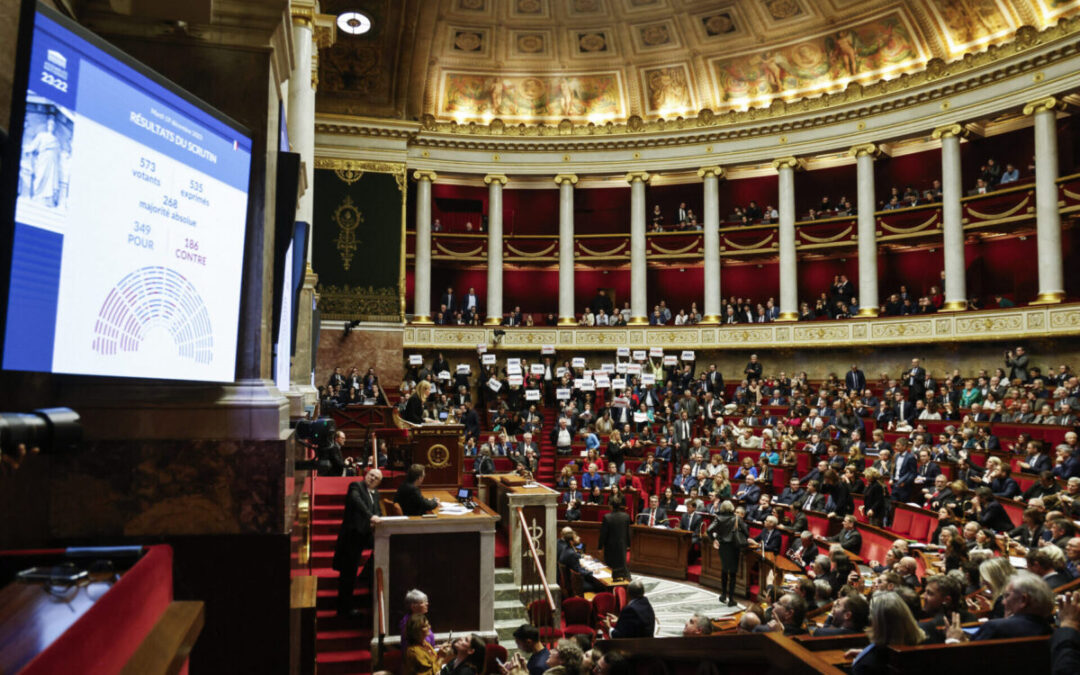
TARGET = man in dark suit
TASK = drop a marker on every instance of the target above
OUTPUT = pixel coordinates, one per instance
(792, 493)
(449, 299)
(571, 559)
(942, 597)
(848, 537)
(769, 539)
(654, 515)
(803, 550)
(691, 520)
(855, 379)
(813, 500)
(362, 514)
(716, 381)
(1040, 562)
(905, 470)
(849, 616)
(915, 379)
(471, 419)
(753, 369)
(1029, 604)
(409, 497)
(637, 619)
(614, 540)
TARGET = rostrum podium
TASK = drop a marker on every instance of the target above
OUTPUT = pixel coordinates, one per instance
(438, 447)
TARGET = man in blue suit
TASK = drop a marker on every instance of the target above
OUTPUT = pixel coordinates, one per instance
(905, 470)
(637, 619)
(769, 538)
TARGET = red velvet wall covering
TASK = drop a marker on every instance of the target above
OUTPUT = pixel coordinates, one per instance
(811, 186)
(602, 210)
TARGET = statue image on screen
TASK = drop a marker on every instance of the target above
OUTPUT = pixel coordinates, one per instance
(46, 157)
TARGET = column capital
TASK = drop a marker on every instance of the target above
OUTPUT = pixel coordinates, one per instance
(1049, 103)
(303, 13)
(634, 176)
(949, 131)
(422, 174)
(496, 178)
(789, 163)
(566, 178)
(325, 31)
(710, 171)
(865, 149)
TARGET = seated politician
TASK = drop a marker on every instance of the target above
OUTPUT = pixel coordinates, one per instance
(409, 497)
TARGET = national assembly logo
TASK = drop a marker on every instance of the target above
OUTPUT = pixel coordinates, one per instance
(54, 71)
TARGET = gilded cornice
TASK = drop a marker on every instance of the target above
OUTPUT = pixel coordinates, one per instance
(1021, 323)
(938, 80)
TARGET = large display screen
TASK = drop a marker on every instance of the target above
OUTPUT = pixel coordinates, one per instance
(129, 220)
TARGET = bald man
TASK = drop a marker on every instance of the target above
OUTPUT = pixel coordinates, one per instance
(362, 513)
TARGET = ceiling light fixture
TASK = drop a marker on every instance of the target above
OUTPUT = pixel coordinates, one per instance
(354, 23)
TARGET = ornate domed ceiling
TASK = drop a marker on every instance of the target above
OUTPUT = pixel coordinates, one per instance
(607, 60)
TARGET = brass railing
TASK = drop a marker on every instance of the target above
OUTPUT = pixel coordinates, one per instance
(534, 585)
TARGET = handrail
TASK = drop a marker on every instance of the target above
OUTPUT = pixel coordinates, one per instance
(380, 608)
(535, 558)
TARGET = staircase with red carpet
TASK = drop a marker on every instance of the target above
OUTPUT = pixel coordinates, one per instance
(343, 644)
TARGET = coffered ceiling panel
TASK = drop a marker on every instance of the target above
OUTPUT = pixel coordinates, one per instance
(528, 61)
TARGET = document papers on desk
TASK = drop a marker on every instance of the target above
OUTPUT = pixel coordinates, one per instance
(452, 509)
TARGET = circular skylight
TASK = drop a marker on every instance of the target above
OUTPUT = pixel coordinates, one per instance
(354, 23)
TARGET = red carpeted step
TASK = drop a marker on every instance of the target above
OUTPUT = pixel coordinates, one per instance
(343, 662)
(342, 640)
(327, 619)
(323, 542)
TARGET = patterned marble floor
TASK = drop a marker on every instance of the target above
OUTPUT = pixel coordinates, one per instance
(674, 602)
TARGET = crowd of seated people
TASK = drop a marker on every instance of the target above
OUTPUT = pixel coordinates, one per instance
(681, 444)
(993, 176)
(342, 390)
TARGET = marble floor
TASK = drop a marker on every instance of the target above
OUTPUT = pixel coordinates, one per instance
(674, 602)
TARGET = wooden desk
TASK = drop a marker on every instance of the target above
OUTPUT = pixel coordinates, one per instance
(439, 448)
(659, 550)
(770, 562)
(31, 619)
(452, 558)
(588, 531)
(711, 569)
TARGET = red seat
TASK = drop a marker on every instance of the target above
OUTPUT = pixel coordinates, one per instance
(492, 652)
(901, 522)
(577, 612)
(920, 528)
(576, 629)
(603, 604)
(620, 597)
(391, 661)
(541, 616)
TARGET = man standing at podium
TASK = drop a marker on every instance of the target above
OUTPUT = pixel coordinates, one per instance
(615, 539)
(409, 497)
(362, 514)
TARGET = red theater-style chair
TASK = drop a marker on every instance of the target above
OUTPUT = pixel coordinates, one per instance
(492, 651)
(540, 615)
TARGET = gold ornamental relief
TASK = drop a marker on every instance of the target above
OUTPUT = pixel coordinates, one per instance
(348, 218)
(438, 456)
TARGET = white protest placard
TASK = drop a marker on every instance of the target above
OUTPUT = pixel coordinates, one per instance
(547, 349)
(464, 368)
(578, 382)
(578, 362)
(488, 359)
(648, 378)
(537, 369)
(494, 384)
(633, 369)
(416, 360)
(562, 394)
(588, 385)
(622, 351)
(656, 351)
(687, 356)
(532, 395)
(513, 362)
(602, 382)
(620, 368)
(640, 417)
(587, 374)
(621, 402)
(481, 349)
(618, 383)
(560, 371)
(639, 355)
(607, 367)
(444, 375)
(671, 360)
(515, 380)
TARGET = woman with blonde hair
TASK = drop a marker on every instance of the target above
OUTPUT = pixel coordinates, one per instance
(414, 407)
(995, 573)
(891, 625)
(875, 498)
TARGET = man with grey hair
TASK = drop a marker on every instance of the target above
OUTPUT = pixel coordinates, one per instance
(748, 623)
(1029, 604)
(363, 511)
(637, 618)
(697, 625)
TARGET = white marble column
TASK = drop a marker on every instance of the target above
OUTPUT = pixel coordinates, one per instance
(639, 310)
(952, 189)
(301, 115)
(422, 282)
(789, 280)
(867, 228)
(1047, 217)
(711, 176)
(566, 182)
(495, 183)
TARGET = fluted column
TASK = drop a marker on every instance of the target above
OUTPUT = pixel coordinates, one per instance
(1047, 217)
(566, 183)
(789, 283)
(495, 183)
(867, 234)
(711, 176)
(639, 310)
(422, 285)
(952, 189)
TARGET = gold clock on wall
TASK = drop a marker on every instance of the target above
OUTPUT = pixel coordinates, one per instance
(438, 456)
